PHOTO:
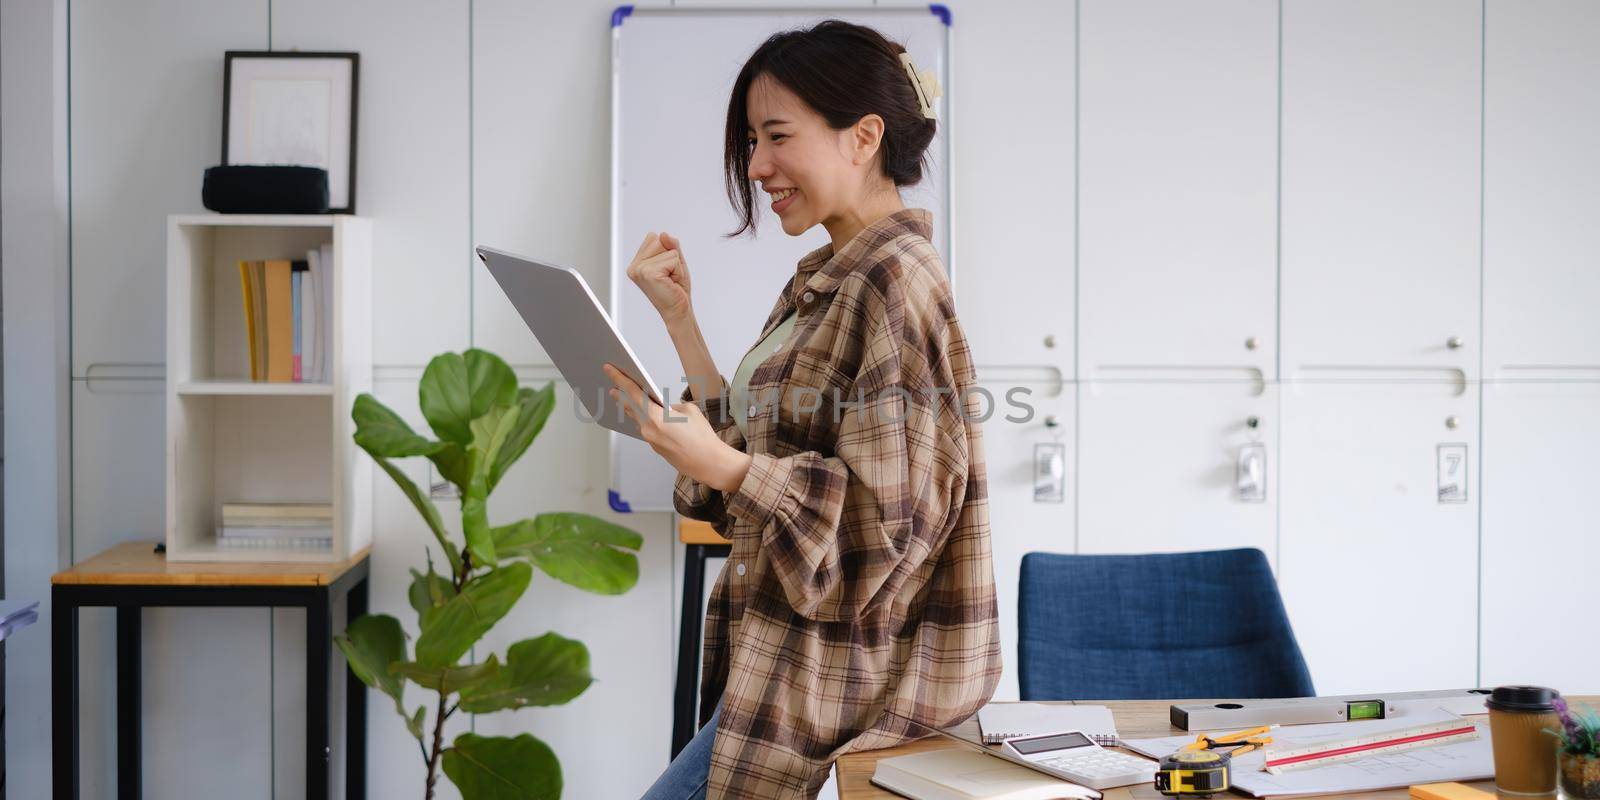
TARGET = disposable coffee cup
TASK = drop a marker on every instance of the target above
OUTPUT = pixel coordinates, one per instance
(1524, 755)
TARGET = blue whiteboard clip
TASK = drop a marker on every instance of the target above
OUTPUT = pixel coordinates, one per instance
(941, 11)
(617, 503)
(622, 13)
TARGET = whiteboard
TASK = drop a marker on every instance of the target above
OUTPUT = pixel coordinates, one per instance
(672, 72)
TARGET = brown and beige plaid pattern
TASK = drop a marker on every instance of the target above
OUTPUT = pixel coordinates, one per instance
(857, 609)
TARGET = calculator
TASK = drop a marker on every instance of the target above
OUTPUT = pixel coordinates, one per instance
(1072, 756)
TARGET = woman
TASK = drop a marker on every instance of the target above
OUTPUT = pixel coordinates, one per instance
(857, 608)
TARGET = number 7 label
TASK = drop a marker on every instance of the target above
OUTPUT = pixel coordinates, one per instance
(1452, 473)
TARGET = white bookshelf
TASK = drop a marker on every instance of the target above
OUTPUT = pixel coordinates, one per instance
(231, 439)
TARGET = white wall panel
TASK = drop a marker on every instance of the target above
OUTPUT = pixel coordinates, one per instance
(1541, 111)
(541, 152)
(1380, 201)
(1178, 130)
(1541, 543)
(37, 393)
(205, 697)
(1379, 576)
(412, 160)
(1012, 135)
(1159, 464)
(1019, 525)
(146, 100)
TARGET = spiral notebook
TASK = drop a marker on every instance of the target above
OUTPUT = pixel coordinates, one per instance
(1001, 721)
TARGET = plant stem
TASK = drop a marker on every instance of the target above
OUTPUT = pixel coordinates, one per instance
(438, 748)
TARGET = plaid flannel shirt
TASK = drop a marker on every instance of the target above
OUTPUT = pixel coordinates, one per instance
(857, 608)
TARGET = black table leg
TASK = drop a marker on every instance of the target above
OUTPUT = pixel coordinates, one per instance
(129, 688)
(685, 715)
(64, 693)
(355, 708)
(319, 656)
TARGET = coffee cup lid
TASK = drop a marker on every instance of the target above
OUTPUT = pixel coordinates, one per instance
(1522, 698)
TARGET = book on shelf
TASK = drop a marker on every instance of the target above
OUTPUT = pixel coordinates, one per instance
(277, 511)
(280, 322)
(282, 532)
(271, 543)
(287, 316)
(297, 271)
(247, 289)
(280, 526)
(325, 285)
(232, 531)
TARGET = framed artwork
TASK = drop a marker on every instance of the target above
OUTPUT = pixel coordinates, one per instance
(293, 108)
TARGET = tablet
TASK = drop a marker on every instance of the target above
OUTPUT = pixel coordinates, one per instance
(569, 322)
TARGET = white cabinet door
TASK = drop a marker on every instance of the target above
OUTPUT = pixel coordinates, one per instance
(1380, 193)
(1019, 524)
(413, 158)
(206, 688)
(1012, 184)
(1541, 111)
(1178, 171)
(1541, 541)
(1379, 575)
(1159, 467)
(146, 112)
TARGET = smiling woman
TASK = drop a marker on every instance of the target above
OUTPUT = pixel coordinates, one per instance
(845, 462)
(808, 102)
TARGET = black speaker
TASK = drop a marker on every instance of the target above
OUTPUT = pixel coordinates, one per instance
(261, 189)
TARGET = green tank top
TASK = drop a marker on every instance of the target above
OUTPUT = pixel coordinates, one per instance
(739, 391)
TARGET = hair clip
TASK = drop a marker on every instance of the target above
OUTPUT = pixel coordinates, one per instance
(926, 85)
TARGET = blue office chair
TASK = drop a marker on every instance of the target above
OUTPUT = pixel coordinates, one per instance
(1159, 626)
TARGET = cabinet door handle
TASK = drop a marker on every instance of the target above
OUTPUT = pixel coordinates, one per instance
(1454, 343)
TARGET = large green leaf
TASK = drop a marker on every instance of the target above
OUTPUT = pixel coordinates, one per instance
(500, 768)
(384, 434)
(533, 409)
(446, 680)
(577, 549)
(546, 671)
(475, 526)
(450, 630)
(458, 388)
(454, 463)
(430, 512)
(370, 644)
(429, 591)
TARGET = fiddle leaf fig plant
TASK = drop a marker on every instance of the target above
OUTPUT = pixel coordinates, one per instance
(484, 422)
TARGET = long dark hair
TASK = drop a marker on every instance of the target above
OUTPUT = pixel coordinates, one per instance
(844, 72)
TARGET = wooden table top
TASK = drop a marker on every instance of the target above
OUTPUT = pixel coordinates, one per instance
(137, 564)
(693, 531)
(1136, 719)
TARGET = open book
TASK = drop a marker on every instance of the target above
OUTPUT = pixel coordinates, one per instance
(962, 774)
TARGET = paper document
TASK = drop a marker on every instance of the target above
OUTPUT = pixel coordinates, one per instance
(1459, 761)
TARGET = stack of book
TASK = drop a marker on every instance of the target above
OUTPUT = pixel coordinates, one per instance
(276, 526)
(288, 316)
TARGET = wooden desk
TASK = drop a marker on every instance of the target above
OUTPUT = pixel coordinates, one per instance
(1136, 719)
(132, 576)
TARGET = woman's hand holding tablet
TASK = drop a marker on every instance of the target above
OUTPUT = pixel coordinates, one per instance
(683, 437)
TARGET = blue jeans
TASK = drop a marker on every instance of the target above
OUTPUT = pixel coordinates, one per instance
(685, 778)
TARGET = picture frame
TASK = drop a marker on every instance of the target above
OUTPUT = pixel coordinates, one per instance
(294, 107)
